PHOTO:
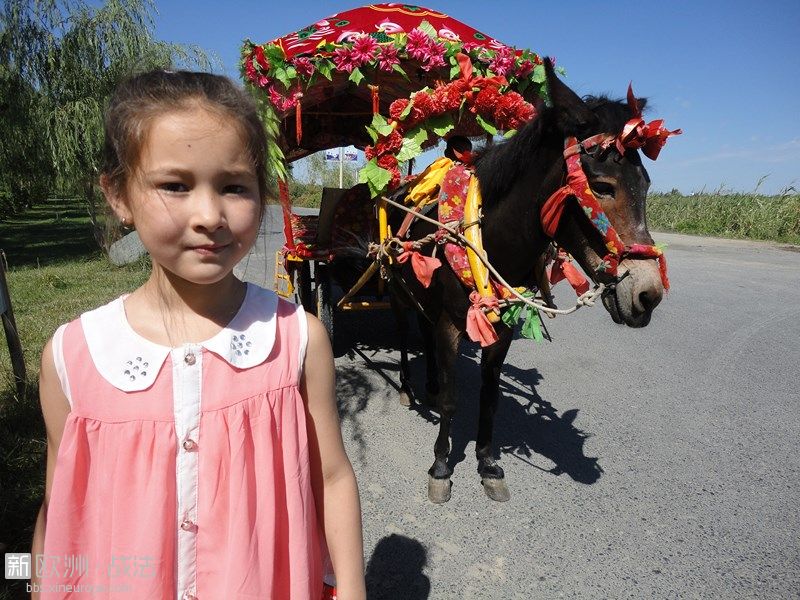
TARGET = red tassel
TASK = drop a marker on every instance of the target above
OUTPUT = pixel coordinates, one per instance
(376, 105)
(298, 121)
(286, 204)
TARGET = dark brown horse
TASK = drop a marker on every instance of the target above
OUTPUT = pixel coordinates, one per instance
(516, 178)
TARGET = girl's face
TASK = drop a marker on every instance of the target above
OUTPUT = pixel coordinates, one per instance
(194, 199)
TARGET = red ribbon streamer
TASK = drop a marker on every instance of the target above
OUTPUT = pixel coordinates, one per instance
(564, 269)
(423, 266)
(479, 329)
(465, 66)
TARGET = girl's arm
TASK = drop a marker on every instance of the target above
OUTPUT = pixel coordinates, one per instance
(55, 408)
(332, 477)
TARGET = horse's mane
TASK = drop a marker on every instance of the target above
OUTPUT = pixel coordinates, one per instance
(500, 165)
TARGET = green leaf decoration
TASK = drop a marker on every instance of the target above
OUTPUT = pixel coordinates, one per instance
(418, 134)
(440, 125)
(399, 69)
(291, 72)
(375, 177)
(282, 76)
(538, 75)
(455, 71)
(326, 68)
(406, 111)
(410, 149)
(372, 133)
(356, 76)
(274, 53)
(488, 127)
(511, 315)
(381, 125)
(510, 133)
(531, 328)
(428, 29)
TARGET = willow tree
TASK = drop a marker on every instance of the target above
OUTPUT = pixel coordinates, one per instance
(72, 55)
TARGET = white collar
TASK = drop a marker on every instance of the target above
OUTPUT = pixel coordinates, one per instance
(131, 363)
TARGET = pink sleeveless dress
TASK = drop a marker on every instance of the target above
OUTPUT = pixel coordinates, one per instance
(184, 472)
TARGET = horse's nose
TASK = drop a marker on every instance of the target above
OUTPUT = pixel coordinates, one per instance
(649, 299)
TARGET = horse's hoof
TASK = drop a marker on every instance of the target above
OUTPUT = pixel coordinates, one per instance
(405, 398)
(439, 490)
(496, 489)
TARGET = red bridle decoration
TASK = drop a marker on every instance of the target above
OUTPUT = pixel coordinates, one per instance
(650, 138)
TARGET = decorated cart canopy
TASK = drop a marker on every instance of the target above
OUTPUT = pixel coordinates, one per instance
(391, 79)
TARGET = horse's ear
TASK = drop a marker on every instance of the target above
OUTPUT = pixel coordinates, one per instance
(573, 117)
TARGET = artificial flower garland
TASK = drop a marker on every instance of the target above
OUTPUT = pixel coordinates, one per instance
(266, 66)
(400, 138)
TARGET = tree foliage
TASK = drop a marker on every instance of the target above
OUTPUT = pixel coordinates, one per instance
(69, 55)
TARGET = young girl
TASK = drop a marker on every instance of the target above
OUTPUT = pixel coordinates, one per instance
(194, 448)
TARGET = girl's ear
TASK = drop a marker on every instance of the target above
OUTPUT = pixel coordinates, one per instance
(116, 200)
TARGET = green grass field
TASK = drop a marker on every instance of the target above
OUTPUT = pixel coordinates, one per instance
(55, 274)
(747, 216)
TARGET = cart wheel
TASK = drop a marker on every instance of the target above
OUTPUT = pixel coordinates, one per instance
(324, 297)
(304, 295)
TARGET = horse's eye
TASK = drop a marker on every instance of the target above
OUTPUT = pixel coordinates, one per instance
(600, 188)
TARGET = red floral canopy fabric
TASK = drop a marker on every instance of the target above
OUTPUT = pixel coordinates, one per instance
(340, 70)
(380, 21)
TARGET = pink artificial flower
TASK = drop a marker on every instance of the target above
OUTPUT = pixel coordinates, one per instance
(468, 47)
(250, 70)
(436, 56)
(274, 97)
(364, 49)
(503, 60)
(262, 81)
(387, 57)
(418, 44)
(343, 59)
(523, 69)
(304, 66)
(279, 101)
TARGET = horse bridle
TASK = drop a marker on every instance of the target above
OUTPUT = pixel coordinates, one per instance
(636, 134)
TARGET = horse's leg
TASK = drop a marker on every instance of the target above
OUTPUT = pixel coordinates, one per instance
(401, 317)
(431, 368)
(492, 358)
(447, 336)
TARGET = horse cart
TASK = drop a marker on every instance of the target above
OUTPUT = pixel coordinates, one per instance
(471, 245)
(391, 80)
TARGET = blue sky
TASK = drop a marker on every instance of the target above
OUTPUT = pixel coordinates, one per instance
(727, 73)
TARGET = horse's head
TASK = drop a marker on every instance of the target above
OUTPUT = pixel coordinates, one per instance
(618, 182)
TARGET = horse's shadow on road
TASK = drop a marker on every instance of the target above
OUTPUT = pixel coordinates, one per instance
(526, 425)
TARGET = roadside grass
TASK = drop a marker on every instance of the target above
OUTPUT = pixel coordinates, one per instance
(53, 231)
(72, 277)
(747, 216)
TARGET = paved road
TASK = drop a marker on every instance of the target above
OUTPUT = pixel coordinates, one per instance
(653, 463)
